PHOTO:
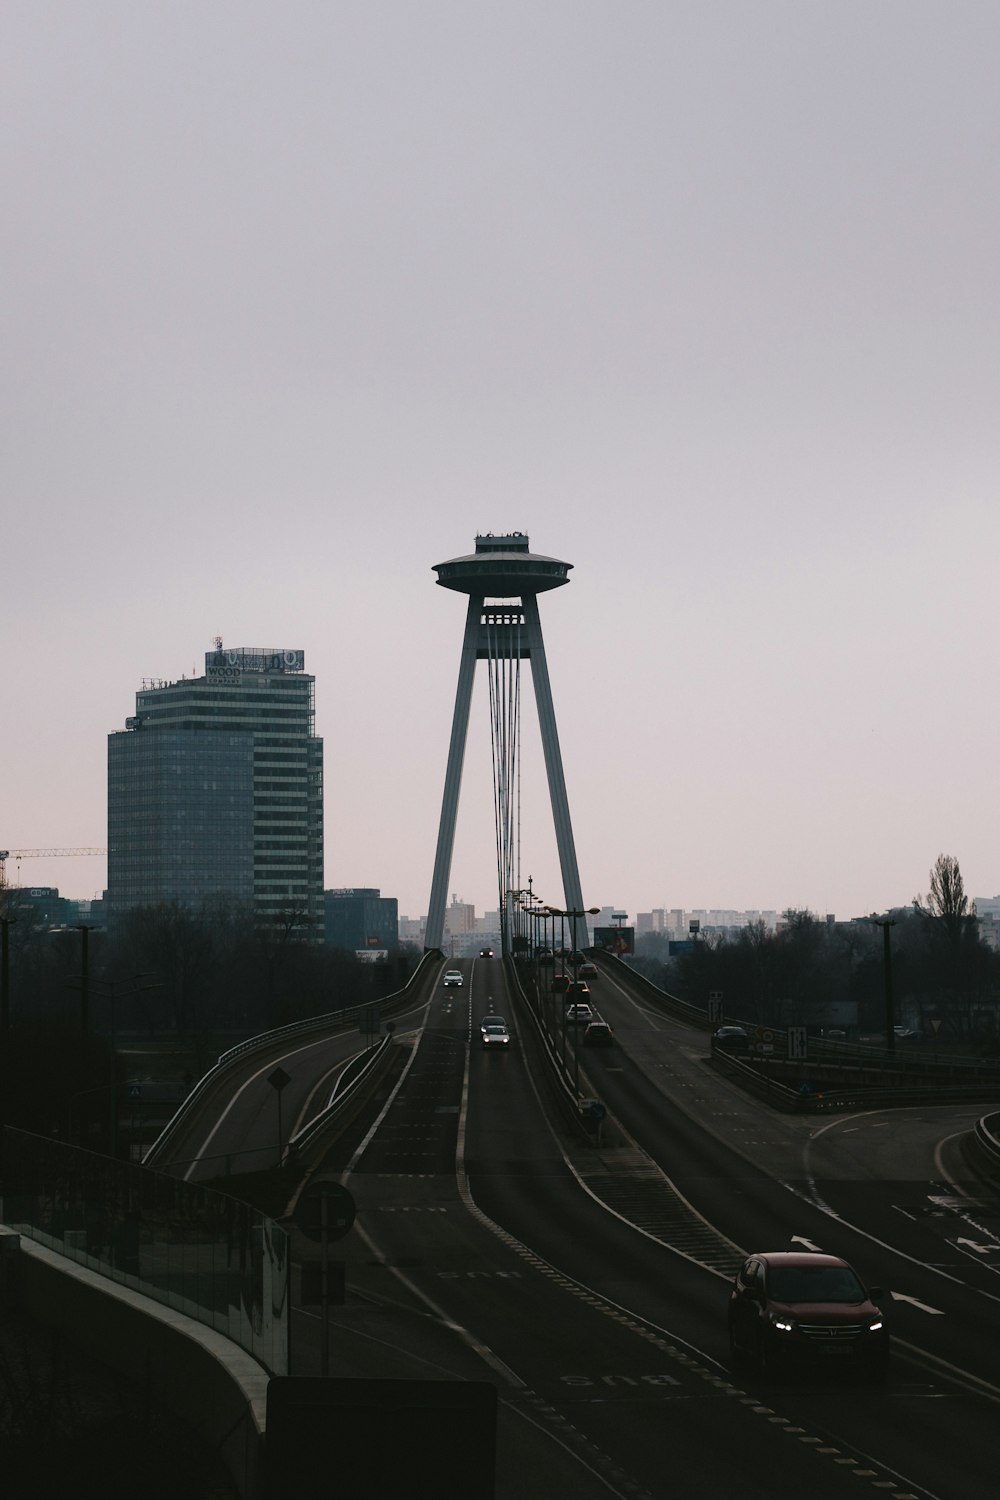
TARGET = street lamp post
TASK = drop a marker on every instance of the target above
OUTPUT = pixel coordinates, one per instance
(112, 988)
(573, 915)
(85, 930)
(890, 1020)
(5, 924)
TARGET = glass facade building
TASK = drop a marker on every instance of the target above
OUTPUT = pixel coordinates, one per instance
(215, 788)
(363, 921)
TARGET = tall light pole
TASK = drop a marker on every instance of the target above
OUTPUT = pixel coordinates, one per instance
(573, 915)
(890, 1020)
(85, 930)
(112, 987)
(535, 916)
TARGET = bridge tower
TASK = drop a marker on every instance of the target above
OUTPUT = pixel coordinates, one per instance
(503, 580)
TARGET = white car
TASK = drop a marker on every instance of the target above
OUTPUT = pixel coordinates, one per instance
(496, 1038)
(453, 977)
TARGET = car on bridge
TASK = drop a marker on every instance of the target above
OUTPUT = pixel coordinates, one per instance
(579, 1015)
(486, 953)
(588, 969)
(453, 977)
(495, 1038)
(731, 1039)
(564, 984)
(493, 1019)
(798, 1308)
(598, 1034)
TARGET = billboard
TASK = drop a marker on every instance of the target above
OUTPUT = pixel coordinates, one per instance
(227, 666)
(618, 940)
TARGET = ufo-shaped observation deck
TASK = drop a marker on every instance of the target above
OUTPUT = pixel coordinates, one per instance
(501, 568)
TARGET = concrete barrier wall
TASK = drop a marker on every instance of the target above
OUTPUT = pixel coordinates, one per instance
(203, 1378)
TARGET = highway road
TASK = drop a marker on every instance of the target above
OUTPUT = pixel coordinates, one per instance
(590, 1285)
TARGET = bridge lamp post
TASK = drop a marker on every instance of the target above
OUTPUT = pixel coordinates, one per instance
(573, 916)
(535, 914)
(114, 992)
(890, 1020)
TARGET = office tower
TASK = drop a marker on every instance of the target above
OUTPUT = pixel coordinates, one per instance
(215, 789)
(363, 921)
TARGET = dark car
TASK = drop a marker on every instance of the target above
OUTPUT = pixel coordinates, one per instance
(588, 969)
(730, 1039)
(598, 1034)
(570, 989)
(565, 984)
(486, 953)
(493, 1019)
(800, 1308)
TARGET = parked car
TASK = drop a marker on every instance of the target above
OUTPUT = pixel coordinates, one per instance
(495, 1038)
(598, 1034)
(731, 1039)
(579, 1015)
(453, 977)
(794, 1307)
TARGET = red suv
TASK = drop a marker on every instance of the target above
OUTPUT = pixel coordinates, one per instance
(798, 1307)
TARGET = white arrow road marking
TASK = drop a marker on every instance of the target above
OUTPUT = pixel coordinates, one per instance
(979, 1249)
(798, 1239)
(937, 1312)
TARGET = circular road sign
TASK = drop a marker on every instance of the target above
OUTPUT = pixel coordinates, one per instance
(324, 1205)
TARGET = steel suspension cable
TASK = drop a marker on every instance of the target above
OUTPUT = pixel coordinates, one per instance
(504, 674)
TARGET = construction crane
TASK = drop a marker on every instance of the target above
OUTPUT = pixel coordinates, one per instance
(19, 854)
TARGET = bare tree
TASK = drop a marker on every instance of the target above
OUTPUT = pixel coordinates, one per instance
(947, 896)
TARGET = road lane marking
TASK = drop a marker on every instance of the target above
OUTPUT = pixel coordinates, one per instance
(937, 1312)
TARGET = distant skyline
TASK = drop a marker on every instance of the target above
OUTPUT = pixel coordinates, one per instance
(701, 297)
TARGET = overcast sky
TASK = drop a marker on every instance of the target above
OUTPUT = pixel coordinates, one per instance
(298, 298)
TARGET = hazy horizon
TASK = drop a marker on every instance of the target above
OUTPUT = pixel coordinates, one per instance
(700, 296)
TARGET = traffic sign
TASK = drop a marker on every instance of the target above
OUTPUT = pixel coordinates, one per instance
(762, 1040)
(325, 1208)
(797, 1044)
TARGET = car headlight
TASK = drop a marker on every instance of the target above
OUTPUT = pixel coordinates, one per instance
(876, 1326)
(782, 1325)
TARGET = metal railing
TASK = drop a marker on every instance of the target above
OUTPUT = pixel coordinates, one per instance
(267, 1039)
(352, 1090)
(915, 1076)
(198, 1251)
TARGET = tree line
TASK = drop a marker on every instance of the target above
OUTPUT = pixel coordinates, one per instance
(202, 978)
(945, 975)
